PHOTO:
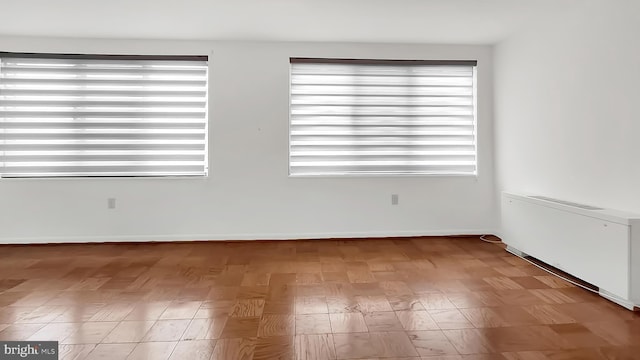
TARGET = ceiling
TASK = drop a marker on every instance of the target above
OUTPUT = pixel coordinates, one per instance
(404, 21)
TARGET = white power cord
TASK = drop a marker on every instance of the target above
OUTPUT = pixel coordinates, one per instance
(483, 238)
(557, 275)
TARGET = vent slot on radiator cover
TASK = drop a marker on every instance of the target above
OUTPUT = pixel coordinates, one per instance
(563, 202)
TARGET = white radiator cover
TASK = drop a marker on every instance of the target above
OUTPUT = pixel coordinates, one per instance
(601, 246)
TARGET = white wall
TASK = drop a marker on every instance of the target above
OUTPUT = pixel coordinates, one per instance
(568, 107)
(248, 194)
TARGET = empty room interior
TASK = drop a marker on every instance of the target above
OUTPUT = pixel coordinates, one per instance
(320, 179)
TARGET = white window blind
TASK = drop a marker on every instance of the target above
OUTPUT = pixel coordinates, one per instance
(382, 117)
(82, 115)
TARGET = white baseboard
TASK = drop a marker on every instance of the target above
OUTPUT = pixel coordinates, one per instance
(516, 252)
(236, 237)
(616, 299)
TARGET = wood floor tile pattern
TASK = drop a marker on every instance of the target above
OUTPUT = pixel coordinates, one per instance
(450, 298)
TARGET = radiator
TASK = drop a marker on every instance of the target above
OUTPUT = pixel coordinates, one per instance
(597, 245)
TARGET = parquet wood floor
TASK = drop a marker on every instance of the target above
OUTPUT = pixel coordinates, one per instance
(432, 298)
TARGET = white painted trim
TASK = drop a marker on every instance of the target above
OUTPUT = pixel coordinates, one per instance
(617, 299)
(515, 252)
(235, 237)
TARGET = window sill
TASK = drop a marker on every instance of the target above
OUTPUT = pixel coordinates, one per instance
(474, 176)
(104, 178)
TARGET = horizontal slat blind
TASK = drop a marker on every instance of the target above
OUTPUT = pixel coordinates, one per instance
(64, 117)
(357, 118)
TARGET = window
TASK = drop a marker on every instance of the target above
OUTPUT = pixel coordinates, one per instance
(359, 117)
(108, 115)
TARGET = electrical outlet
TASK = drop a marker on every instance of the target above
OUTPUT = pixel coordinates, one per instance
(394, 199)
(111, 203)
